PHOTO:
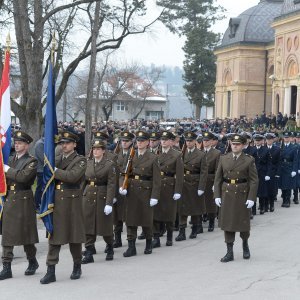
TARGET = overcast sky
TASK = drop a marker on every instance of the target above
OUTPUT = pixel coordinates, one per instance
(164, 48)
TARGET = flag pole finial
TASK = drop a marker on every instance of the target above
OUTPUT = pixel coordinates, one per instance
(8, 42)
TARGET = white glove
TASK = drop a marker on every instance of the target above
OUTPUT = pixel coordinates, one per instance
(55, 169)
(200, 192)
(122, 192)
(293, 174)
(115, 200)
(153, 202)
(267, 178)
(6, 168)
(107, 209)
(249, 203)
(298, 171)
(176, 196)
(218, 201)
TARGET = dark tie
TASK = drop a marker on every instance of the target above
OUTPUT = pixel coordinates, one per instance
(234, 157)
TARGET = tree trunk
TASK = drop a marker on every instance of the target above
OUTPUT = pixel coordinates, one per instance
(91, 79)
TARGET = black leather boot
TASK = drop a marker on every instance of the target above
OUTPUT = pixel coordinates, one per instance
(169, 238)
(261, 206)
(110, 252)
(288, 202)
(32, 266)
(142, 236)
(211, 224)
(6, 271)
(199, 228)
(271, 204)
(76, 272)
(148, 249)
(50, 275)
(118, 240)
(92, 250)
(156, 241)
(296, 201)
(181, 236)
(246, 251)
(229, 255)
(88, 257)
(193, 234)
(131, 251)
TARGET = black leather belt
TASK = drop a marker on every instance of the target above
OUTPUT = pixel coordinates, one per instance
(16, 188)
(234, 181)
(168, 174)
(65, 186)
(141, 177)
(95, 183)
(187, 172)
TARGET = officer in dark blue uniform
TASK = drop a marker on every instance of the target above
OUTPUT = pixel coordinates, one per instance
(298, 156)
(263, 166)
(273, 171)
(296, 145)
(288, 169)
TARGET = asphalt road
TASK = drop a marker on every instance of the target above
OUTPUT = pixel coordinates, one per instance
(189, 270)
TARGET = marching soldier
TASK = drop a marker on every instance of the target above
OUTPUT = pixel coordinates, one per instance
(19, 218)
(235, 190)
(101, 181)
(154, 144)
(126, 138)
(154, 147)
(143, 194)
(68, 221)
(298, 155)
(288, 169)
(195, 176)
(212, 160)
(263, 166)
(171, 171)
(272, 183)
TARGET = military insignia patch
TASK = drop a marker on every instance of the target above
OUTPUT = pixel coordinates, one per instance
(66, 134)
(98, 134)
(82, 164)
(125, 134)
(31, 165)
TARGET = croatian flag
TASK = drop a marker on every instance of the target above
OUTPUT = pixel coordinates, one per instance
(5, 125)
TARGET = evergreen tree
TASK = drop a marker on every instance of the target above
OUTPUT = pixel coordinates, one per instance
(193, 19)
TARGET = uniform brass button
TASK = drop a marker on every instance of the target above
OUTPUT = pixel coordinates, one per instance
(73, 196)
(61, 198)
(95, 193)
(94, 200)
(62, 190)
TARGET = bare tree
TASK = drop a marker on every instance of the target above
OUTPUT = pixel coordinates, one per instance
(150, 78)
(95, 27)
(33, 21)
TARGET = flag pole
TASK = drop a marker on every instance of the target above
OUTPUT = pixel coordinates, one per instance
(8, 42)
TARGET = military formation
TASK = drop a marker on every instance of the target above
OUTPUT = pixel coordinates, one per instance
(161, 181)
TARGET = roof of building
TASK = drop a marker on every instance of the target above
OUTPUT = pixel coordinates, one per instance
(289, 7)
(254, 24)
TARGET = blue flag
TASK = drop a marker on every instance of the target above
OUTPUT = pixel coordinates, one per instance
(47, 203)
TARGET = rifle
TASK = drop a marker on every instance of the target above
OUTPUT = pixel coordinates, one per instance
(183, 150)
(128, 168)
(117, 148)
